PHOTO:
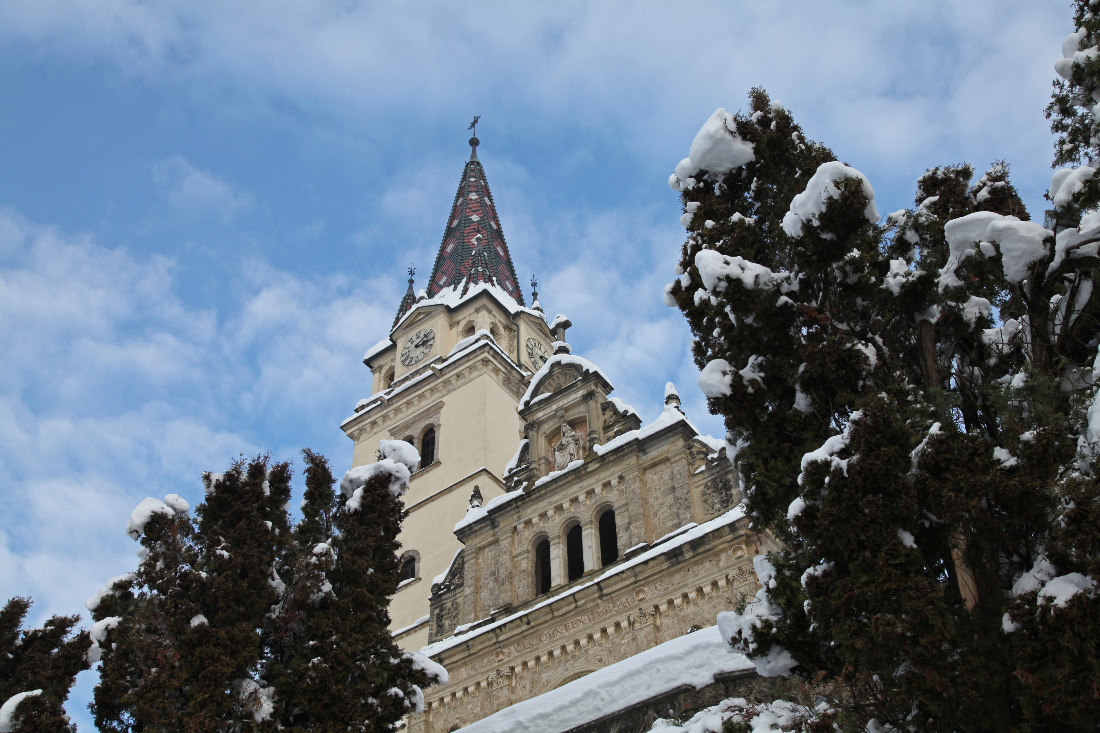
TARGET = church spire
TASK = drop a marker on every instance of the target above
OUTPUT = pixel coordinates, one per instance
(407, 301)
(473, 249)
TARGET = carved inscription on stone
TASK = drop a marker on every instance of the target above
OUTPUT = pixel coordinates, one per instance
(533, 640)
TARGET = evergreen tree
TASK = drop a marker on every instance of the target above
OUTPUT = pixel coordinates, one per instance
(180, 638)
(906, 405)
(235, 622)
(305, 612)
(37, 669)
(147, 623)
(341, 669)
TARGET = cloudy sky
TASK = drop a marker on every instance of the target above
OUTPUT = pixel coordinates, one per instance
(207, 208)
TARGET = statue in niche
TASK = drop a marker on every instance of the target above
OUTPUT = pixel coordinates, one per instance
(569, 448)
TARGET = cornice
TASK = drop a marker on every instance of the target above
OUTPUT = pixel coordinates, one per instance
(437, 379)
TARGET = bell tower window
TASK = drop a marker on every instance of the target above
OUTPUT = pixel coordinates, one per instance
(609, 538)
(542, 567)
(574, 548)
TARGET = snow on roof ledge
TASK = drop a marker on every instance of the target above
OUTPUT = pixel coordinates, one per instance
(693, 659)
(553, 361)
(452, 298)
(378, 348)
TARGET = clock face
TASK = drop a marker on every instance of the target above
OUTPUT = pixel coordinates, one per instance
(537, 353)
(418, 346)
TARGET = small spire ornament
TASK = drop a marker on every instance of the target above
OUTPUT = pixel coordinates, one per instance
(474, 142)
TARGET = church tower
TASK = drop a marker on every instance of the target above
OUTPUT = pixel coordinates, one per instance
(448, 379)
(551, 533)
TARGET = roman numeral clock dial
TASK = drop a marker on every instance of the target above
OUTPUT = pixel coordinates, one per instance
(537, 353)
(417, 346)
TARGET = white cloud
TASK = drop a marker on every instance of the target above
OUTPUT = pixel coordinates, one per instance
(113, 388)
(641, 67)
(191, 190)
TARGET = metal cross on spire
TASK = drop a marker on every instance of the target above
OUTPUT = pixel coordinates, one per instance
(473, 139)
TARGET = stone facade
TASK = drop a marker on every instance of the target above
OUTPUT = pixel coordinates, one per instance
(683, 555)
(547, 645)
(583, 537)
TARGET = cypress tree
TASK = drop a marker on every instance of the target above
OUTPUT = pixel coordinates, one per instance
(37, 669)
(234, 621)
(180, 639)
(147, 623)
(906, 402)
(304, 618)
(344, 671)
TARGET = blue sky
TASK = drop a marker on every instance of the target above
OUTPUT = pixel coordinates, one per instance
(207, 208)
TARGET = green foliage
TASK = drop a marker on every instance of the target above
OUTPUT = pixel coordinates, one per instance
(46, 659)
(236, 621)
(906, 402)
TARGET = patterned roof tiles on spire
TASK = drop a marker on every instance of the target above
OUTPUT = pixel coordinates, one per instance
(473, 248)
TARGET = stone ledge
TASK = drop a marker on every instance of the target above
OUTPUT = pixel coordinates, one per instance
(681, 702)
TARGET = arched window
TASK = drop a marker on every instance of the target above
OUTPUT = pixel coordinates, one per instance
(574, 549)
(387, 378)
(609, 538)
(542, 567)
(427, 448)
(469, 330)
(408, 568)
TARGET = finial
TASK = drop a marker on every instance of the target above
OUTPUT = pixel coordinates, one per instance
(474, 142)
(412, 271)
(672, 397)
(475, 497)
(534, 288)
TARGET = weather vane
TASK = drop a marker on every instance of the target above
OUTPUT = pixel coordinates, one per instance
(412, 271)
(473, 125)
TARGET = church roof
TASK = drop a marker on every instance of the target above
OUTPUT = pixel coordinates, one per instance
(473, 249)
